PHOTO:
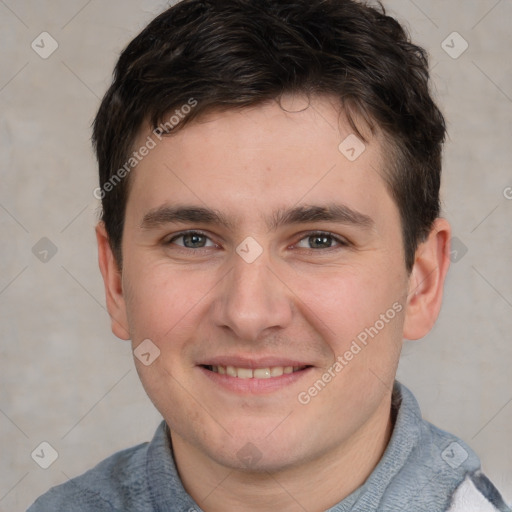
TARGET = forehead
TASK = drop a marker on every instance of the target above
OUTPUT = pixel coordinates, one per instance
(253, 161)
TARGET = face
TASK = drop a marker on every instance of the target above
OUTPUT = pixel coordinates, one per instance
(268, 270)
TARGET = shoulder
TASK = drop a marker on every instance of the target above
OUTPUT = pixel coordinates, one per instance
(440, 470)
(116, 482)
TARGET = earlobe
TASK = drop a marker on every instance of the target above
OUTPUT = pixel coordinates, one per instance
(426, 281)
(113, 284)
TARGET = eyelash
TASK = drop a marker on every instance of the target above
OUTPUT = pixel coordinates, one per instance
(341, 241)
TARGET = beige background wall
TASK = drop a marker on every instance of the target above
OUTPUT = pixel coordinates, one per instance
(65, 379)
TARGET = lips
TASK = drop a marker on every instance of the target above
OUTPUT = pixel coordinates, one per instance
(250, 376)
(264, 372)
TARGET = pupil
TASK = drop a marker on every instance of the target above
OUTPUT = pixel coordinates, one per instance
(193, 239)
(321, 240)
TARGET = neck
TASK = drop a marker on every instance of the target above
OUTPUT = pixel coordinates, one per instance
(316, 485)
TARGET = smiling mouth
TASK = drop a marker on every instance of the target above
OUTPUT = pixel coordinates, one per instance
(254, 373)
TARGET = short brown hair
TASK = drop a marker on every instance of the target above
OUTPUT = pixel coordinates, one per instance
(236, 53)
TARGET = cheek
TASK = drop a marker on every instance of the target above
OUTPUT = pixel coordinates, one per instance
(345, 301)
(361, 317)
(160, 301)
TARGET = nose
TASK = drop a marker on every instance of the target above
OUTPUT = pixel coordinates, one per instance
(252, 299)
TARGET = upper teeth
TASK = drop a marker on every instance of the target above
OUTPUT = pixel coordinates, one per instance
(255, 373)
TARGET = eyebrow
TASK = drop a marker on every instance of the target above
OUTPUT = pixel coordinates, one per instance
(333, 212)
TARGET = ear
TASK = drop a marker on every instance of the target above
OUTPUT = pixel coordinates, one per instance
(113, 284)
(426, 281)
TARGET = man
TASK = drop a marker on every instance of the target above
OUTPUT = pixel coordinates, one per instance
(269, 176)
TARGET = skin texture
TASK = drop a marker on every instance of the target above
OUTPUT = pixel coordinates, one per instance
(197, 299)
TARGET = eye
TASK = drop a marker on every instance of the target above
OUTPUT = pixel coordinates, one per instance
(191, 240)
(321, 240)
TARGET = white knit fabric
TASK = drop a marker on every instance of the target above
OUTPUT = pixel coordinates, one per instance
(468, 498)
